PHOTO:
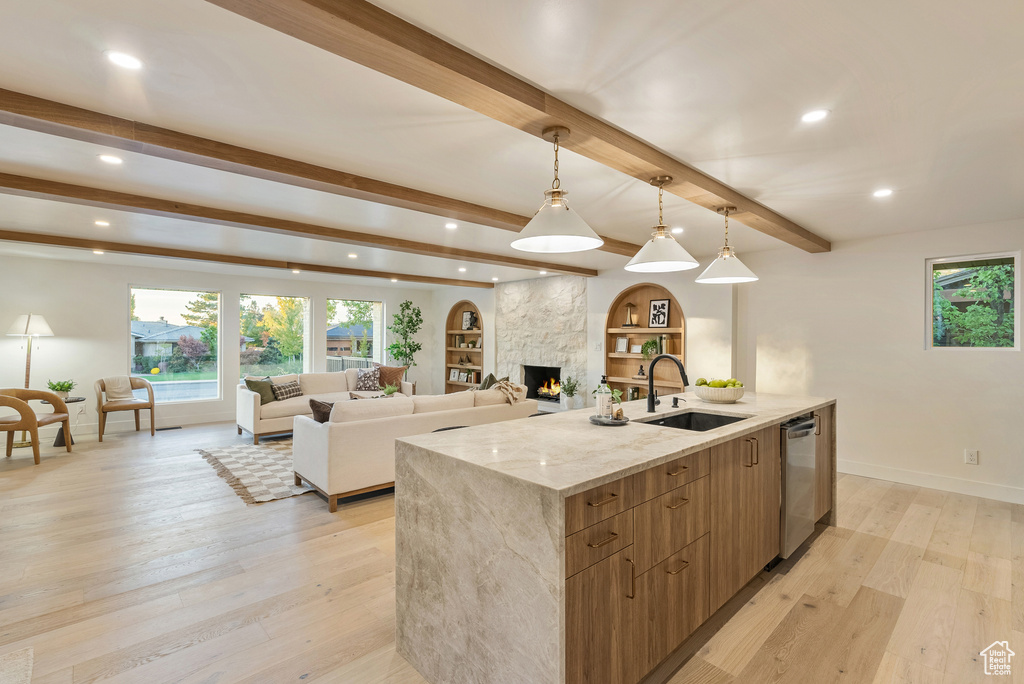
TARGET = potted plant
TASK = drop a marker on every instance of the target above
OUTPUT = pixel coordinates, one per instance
(649, 349)
(570, 393)
(61, 388)
(389, 390)
(407, 322)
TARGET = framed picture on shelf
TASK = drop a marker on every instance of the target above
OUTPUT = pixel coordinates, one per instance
(621, 345)
(468, 320)
(659, 314)
(453, 374)
(463, 376)
(636, 349)
(460, 340)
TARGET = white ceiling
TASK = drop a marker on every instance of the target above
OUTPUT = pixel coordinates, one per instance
(926, 99)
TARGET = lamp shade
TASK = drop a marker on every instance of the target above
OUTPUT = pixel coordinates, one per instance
(556, 228)
(661, 254)
(727, 268)
(30, 325)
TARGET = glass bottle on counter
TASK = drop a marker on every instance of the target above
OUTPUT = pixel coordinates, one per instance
(604, 398)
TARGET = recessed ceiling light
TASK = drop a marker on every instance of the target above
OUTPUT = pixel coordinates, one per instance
(451, 226)
(882, 192)
(97, 251)
(296, 271)
(123, 60)
(815, 115)
(494, 279)
(353, 255)
(543, 272)
(101, 223)
(394, 280)
(677, 230)
(462, 269)
(111, 159)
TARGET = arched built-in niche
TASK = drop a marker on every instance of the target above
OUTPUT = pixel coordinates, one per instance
(621, 367)
(468, 359)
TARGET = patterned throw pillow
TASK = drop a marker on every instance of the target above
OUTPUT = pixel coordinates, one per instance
(321, 410)
(287, 390)
(368, 380)
(391, 375)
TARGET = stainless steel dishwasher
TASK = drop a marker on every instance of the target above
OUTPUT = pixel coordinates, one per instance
(798, 481)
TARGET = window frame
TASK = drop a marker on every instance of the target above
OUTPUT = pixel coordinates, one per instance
(929, 310)
(307, 326)
(220, 340)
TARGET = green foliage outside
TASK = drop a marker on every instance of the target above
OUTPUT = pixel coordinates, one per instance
(987, 321)
(407, 322)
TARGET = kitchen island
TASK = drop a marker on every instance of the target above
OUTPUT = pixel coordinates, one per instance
(549, 549)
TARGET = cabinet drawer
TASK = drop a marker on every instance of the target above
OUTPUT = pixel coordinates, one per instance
(597, 542)
(666, 477)
(666, 524)
(593, 506)
(672, 600)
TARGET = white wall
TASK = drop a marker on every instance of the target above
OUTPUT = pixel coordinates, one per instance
(851, 324)
(86, 304)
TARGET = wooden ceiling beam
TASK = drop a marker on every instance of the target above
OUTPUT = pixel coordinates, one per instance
(120, 201)
(364, 33)
(172, 253)
(55, 118)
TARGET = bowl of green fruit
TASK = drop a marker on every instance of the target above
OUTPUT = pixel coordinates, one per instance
(719, 391)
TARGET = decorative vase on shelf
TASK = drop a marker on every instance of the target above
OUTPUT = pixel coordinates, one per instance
(62, 395)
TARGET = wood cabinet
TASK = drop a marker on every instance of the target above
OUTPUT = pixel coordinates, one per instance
(744, 508)
(633, 306)
(600, 623)
(669, 522)
(824, 444)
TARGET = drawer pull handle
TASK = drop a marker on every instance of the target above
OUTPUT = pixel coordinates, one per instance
(602, 502)
(757, 450)
(678, 505)
(601, 543)
(682, 469)
(632, 579)
(685, 565)
(751, 464)
(817, 424)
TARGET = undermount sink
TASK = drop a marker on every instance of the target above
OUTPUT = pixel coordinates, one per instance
(694, 420)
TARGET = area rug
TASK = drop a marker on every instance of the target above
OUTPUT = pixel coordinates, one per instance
(257, 472)
(16, 667)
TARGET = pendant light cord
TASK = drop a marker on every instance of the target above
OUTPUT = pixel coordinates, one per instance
(555, 184)
(661, 191)
(727, 226)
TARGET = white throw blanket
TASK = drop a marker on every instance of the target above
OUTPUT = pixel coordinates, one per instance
(118, 388)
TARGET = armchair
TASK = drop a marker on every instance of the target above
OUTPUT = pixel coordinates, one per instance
(103, 406)
(28, 420)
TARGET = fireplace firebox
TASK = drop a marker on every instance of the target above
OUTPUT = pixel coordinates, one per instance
(542, 382)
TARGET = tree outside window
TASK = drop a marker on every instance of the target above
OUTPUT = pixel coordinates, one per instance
(274, 335)
(354, 329)
(974, 302)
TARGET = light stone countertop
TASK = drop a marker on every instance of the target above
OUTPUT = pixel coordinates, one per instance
(566, 453)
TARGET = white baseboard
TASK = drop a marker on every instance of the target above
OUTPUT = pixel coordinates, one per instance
(126, 423)
(985, 490)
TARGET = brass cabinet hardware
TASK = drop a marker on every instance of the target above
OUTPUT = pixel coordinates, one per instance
(681, 470)
(602, 502)
(751, 464)
(755, 451)
(681, 503)
(817, 423)
(632, 579)
(685, 565)
(601, 543)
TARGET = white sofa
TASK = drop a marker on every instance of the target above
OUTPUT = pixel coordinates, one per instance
(354, 452)
(276, 417)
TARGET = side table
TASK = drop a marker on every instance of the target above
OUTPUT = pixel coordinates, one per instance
(59, 441)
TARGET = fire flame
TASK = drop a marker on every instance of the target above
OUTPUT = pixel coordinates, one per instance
(551, 388)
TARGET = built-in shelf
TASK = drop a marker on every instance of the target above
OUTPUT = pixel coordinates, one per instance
(622, 355)
(465, 349)
(645, 331)
(465, 332)
(453, 354)
(620, 367)
(455, 365)
(643, 383)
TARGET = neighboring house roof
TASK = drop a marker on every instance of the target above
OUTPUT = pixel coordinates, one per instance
(341, 331)
(162, 331)
(951, 280)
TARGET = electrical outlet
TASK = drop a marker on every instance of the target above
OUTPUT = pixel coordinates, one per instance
(971, 456)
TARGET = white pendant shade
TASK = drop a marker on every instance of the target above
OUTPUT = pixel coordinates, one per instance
(727, 268)
(30, 325)
(661, 254)
(556, 228)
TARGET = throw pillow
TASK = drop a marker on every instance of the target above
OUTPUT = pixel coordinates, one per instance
(286, 390)
(321, 410)
(264, 388)
(391, 375)
(368, 380)
(488, 381)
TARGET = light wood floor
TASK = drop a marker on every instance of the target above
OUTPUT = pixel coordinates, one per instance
(131, 561)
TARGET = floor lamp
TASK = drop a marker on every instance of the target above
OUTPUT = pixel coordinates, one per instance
(29, 326)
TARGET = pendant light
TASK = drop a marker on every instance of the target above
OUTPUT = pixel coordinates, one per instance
(555, 227)
(727, 268)
(662, 253)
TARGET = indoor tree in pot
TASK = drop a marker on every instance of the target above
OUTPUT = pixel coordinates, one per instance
(569, 391)
(407, 322)
(61, 388)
